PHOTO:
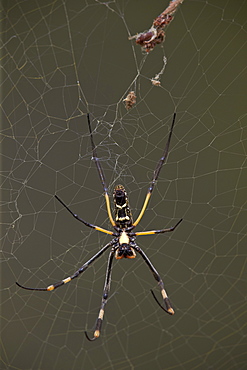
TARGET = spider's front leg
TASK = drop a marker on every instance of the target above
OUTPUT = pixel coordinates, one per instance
(167, 304)
(104, 297)
(75, 275)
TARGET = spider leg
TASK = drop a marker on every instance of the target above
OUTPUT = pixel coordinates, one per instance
(167, 304)
(156, 299)
(157, 231)
(104, 297)
(75, 275)
(156, 173)
(81, 220)
(101, 174)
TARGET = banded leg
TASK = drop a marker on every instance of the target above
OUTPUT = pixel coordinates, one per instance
(75, 275)
(156, 173)
(81, 220)
(104, 297)
(101, 174)
(157, 231)
(168, 307)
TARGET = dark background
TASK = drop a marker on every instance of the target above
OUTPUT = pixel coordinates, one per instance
(62, 59)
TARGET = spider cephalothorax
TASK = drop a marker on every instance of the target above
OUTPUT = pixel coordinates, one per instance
(123, 245)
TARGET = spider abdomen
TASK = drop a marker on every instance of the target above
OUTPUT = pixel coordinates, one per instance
(123, 216)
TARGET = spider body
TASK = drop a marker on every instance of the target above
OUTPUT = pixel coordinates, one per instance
(123, 244)
(125, 251)
(123, 215)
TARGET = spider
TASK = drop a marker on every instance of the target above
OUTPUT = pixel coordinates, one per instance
(123, 244)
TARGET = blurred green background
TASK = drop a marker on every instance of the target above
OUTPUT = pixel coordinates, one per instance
(62, 59)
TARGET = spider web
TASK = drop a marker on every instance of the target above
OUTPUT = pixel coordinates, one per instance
(62, 59)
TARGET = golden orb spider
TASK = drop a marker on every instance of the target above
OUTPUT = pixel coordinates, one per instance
(123, 245)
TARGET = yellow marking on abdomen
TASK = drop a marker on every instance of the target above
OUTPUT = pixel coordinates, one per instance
(120, 207)
(50, 287)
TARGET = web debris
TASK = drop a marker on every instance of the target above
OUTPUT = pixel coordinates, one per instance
(130, 100)
(155, 35)
(156, 80)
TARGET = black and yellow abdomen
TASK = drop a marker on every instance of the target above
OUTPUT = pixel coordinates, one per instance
(123, 215)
